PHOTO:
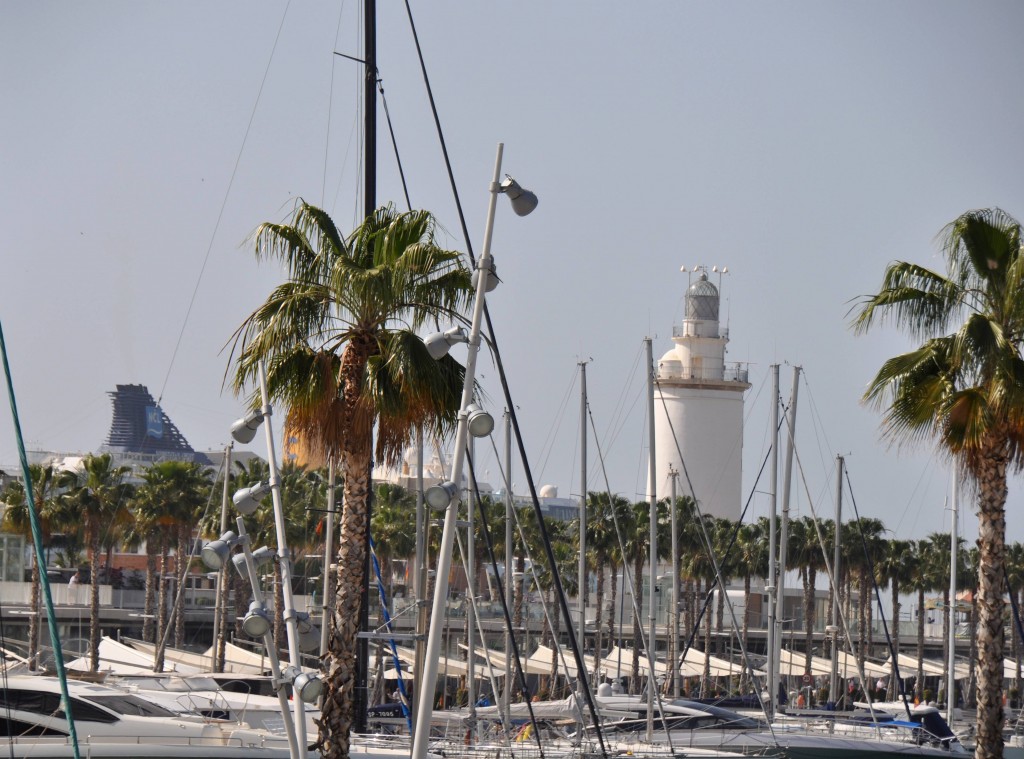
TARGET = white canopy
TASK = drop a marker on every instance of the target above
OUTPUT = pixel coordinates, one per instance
(119, 659)
(908, 667)
(237, 660)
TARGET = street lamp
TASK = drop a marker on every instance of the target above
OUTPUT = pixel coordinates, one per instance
(523, 202)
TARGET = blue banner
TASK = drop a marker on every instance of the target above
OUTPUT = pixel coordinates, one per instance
(154, 422)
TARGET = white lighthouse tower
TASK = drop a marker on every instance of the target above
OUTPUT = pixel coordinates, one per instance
(698, 407)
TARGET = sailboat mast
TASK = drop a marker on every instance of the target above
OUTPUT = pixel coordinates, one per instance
(833, 628)
(780, 594)
(673, 659)
(582, 585)
(953, 546)
(361, 699)
(773, 656)
(652, 474)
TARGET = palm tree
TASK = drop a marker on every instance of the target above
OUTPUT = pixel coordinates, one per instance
(805, 553)
(341, 352)
(45, 484)
(100, 496)
(964, 389)
(752, 561)
(893, 568)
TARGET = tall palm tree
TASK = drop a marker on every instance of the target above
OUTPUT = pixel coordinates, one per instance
(341, 352)
(752, 561)
(101, 496)
(965, 390)
(805, 553)
(892, 568)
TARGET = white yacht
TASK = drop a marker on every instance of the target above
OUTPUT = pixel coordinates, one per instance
(112, 723)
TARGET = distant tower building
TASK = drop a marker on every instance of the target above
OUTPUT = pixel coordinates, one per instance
(698, 408)
(141, 432)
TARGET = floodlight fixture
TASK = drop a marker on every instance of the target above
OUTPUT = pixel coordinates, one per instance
(439, 496)
(247, 500)
(523, 201)
(481, 424)
(309, 633)
(244, 429)
(263, 555)
(439, 343)
(257, 622)
(307, 686)
(216, 552)
(492, 280)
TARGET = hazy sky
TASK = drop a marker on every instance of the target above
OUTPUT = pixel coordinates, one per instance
(804, 145)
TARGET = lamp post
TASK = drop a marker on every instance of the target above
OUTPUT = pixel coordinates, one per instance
(447, 495)
(305, 687)
(215, 556)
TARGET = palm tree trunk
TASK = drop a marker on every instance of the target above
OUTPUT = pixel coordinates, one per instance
(893, 691)
(638, 568)
(705, 680)
(613, 568)
(151, 580)
(745, 676)
(919, 681)
(184, 531)
(992, 488)
(337, 713)
(810, 578)
(161, 610)
(94, 601)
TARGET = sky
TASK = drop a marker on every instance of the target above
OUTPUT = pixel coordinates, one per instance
(804, 145)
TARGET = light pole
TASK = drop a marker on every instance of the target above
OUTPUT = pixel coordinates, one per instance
(306, 687)
(257, 622)
(446, 495)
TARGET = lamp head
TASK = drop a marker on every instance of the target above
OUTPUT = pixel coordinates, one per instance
(244, 429)
(263, 555)
(216, 552)
(523, 201)
(439, 343)
(309, 633)
(307, 686)
(440, 496)
(257, 622)
(492, 280)
(481, 424)
(247, 500)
